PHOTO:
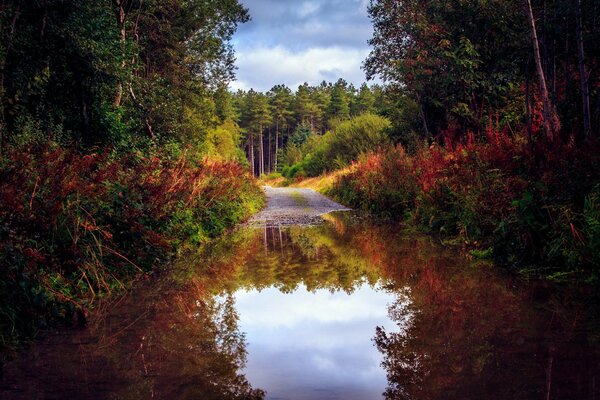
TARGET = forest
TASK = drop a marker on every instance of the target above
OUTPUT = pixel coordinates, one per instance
(122, 144)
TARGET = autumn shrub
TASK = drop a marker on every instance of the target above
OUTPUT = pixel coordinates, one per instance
(496, 197)
(381, 183)
(75, 227)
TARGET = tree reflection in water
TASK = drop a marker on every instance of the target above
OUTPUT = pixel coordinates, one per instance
(164, 341)
(470, 333)
(463, 331)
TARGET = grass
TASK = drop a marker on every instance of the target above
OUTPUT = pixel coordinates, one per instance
(322, 183)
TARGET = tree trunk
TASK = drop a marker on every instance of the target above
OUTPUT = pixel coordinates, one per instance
(276, 142)
(251, 155)
(583, 76)
(121, 16)
(147, 121)
(261, 155)
(270, 153)
(528, 107)
(423, 119)
(551, 120)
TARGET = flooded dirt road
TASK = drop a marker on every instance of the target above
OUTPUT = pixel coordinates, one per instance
(294, 206)
(348, 309)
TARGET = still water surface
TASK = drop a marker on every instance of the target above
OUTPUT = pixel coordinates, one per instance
(345, 310)
(318, 344)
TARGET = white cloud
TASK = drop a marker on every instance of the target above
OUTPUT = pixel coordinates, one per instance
(262, 67)
(297, 41)
(308, 8)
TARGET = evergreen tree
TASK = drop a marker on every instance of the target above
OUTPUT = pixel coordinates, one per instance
(339, 104)
(280, 99)
(364, 102)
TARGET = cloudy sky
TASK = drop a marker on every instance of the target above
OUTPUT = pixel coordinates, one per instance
(295, 41)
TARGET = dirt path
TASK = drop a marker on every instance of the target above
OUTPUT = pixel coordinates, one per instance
(294, 206)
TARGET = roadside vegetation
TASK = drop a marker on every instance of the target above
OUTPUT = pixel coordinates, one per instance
(114, 154)
(493, 199)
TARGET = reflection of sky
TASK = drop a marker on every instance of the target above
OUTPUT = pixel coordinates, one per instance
(314, 345)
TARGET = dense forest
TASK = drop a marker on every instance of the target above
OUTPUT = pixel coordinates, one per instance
(121, 143)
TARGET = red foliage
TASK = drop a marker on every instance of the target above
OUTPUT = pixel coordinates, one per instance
(472, 188)
(76, 225)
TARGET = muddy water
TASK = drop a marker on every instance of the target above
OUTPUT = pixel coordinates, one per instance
(345, 310)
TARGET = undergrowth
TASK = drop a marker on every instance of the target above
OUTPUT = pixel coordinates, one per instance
(77, 227)
(534, 210)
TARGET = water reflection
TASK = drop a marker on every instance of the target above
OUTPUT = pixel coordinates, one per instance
(344, 310)
(309, 315)
(305, 344)
(462, 330)
(167, 345)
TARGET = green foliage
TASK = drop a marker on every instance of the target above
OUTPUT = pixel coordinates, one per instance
(346, 142)
(356, 136)
(456, 61)
(223, 142)
(339, 106)
(78, 72)
(300, 135)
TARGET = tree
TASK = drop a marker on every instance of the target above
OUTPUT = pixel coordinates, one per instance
(280, 100)
(98, 72)
(224, 104)
(122, 9)
(256, 116)
(339, 105)
(457, 60)
(364, 101)
(551, 121)
(304, 108)
(320, 96)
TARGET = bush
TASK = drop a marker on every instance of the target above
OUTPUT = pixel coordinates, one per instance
(338, 147)
(359, 135)
(75, 227)
(529, 209)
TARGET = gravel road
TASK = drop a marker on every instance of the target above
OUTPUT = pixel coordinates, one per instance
(294, 206)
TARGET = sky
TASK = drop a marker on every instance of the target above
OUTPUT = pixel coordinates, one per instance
(295, 41)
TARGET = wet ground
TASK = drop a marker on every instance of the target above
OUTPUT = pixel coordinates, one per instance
(345, 309)
(294, 206)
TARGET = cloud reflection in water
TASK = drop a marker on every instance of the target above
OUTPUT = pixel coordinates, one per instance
(315, 344)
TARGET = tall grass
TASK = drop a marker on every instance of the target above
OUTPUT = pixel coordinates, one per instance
(75, 227)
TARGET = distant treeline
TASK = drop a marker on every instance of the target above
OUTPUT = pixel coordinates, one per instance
(269, 120)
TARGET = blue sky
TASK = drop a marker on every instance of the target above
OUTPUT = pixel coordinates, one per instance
(295, 41)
